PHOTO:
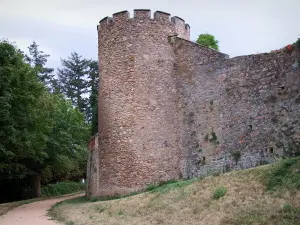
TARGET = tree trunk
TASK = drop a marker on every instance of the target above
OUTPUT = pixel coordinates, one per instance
(37, 185)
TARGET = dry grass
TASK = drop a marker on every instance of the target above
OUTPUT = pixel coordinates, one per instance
(245, 202)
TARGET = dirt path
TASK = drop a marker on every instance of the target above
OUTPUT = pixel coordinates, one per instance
(33, 213)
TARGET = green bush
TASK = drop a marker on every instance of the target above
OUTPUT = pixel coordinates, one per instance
(62, 188)
(219, 192)
(236, 156)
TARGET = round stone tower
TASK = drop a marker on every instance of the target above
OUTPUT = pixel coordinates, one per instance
(138, 129)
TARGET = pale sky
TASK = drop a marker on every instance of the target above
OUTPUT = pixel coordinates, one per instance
(62, 26)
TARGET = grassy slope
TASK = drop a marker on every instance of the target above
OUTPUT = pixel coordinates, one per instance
(264, 195)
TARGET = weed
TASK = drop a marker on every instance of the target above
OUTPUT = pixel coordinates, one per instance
(70, 222)
(100, 208)
(219, 192)
(213, 139)
(202, 161)
(120, 213)
(131, 58)
(236, 156)
(206, 138)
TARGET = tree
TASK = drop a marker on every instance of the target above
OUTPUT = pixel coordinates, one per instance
(208, 40)
(73, 79)
(38, 59)
(42, 136)
(66, 145)
(92, 111)
(24, 120)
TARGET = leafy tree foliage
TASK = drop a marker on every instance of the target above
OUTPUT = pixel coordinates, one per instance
(42, 135)
(208, 40)
(24, 125)
(66, 145)
(93, 99)
(73, 79)
(38, 59)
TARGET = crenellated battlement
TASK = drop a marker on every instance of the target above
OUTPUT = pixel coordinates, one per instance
(181, 28)
(142, 13)
(163, 99)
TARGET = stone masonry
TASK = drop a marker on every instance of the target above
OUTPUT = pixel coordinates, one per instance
(170, 108)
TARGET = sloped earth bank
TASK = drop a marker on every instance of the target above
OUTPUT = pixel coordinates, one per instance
(33, 213)
(264, 195)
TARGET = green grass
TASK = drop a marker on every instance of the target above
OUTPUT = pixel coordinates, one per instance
(73, 201)
(162, 187)
(219, 192)
(284, 175)
(70, 222)
(165, 187)
(266, 195)
(287, 215)
(290, 214)
(62, 188)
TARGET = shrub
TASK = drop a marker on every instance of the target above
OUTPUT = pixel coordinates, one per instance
(208, 40)
(62, 188)
(219, 192)
(236, 156)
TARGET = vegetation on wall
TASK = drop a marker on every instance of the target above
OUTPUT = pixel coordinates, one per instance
(212, 137)
(236, 155)
(208, 40)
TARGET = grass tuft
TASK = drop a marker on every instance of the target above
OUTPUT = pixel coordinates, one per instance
(70, 223)
(219, 192)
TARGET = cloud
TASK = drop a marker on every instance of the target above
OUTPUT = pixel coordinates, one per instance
(60, 27)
